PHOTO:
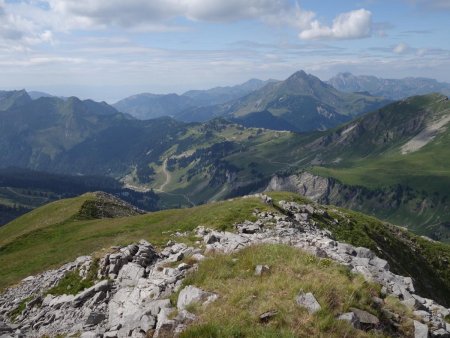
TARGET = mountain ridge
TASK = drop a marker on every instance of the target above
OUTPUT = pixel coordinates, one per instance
(394, 89)
(302, 101)
(147, 106)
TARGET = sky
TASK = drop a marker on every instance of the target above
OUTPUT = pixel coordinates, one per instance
(110, 49)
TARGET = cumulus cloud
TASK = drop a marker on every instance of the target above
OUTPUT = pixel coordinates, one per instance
(38, 20)
(19, 29)
(351, 25)
(140, 12)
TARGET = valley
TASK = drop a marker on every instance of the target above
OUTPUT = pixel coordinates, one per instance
(396, 153)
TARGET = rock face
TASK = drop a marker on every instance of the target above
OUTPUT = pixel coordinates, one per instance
(132, 294)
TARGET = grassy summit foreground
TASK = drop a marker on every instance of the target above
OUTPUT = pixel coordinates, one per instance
(56, 234)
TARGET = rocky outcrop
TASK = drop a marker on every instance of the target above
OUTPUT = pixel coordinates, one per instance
(397, 198)
(316, 188)
(105, 205)
(135, 284)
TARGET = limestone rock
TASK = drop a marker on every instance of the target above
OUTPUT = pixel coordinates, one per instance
(366, 319)
(267, 316)
(351, 318)
(308, 301)
(248, 227)
(261, 270)
(191, 294)
(420, 330)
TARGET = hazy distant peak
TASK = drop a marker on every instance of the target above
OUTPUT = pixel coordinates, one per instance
(389, 88)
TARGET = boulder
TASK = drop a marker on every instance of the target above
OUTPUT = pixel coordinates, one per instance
(248, 227)
(191, 294)
(364, 253)
(267, 316)
(83, 296)
(367, 320)
(130, 274)
(379, 263)
(308, 301)
(95, 318)
(60, 301)
(351, 318)
(261, 270)
(441, 333)
(212, 238)
(198, 257)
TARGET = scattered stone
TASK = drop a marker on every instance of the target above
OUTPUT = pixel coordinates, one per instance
(442, 333)
(95, 318)
(261, 270)
(351, 318)
(267, 316)
(191, 294)
(420, 330)
(248, 227)
(211, 239)
(367, 320)
(198, 257)
(308, 301)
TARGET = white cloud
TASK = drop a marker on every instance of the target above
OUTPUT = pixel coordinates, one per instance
(433, 4)
(351, 25)
(23, 24)
(401, 48)
(142, 12)
(37, 21)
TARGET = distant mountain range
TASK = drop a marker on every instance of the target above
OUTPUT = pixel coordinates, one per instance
(148, 106)
(397, 152)
(300, 103)
(394, 89)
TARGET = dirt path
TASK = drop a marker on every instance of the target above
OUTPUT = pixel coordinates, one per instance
(168, 177)
(162, 187)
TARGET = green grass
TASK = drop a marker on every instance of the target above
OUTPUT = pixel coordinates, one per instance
(43, 217)
(72, 283)
(33, 243)
(244, 296)
(19, 309)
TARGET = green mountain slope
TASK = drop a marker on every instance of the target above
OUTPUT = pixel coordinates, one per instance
(398, 153)
(22, 190)
(33, 134)
(14, 98)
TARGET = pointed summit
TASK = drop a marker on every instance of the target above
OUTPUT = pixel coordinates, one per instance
(14, 98)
